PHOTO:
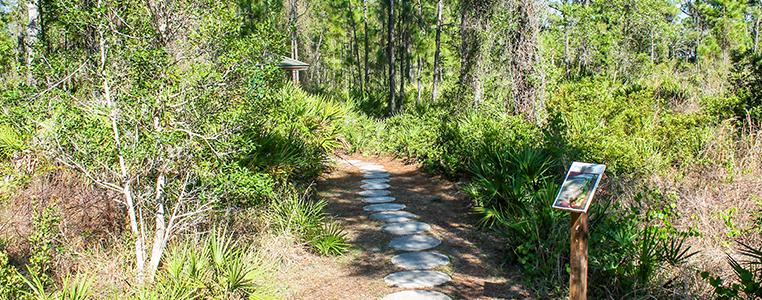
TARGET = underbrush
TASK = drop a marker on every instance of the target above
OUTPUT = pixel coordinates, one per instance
(645, 241)
(261, 174)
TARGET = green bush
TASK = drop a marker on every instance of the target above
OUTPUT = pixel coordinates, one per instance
(11, 282)
(624, 126)
(215, 267)
(306, 220)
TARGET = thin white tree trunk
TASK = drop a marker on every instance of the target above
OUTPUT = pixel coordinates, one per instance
(32, 30)
(159, 241)
(126, 185)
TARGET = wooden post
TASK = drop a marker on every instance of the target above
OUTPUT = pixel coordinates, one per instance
(578, 258)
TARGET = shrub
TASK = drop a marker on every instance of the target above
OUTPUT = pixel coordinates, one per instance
(307, 220)
(625, 126)
(11, 282)
(215, 267)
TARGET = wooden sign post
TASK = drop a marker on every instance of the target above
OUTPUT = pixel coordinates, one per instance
(578, 257)
(575, 195)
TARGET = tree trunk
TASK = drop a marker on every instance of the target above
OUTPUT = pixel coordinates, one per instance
(390, 46)
(756, 34)
(522, 61)
(365, 31)
(355, 48)
(294, 38)
(159, 241)
(401, 38)
(437, 52)
(32, 30)
(126, 180)
(418, 80)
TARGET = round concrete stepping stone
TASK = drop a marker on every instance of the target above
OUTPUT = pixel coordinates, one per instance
(406, 228)
(417, 242)
(416, 295)
(377, 180)
(376, 175)
(384, 207)
(371, 168)
(416, 279)
(375, 193)
(375, 186)
(420, 260)
(381, 199)
(393, 215)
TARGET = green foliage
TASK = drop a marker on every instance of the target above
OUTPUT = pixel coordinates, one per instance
(748, 276)
(600, 121)
(11, 282)
(10, 141)
(217, 266)
(44, 243)
(747, 79)
(295, 136)
(306, 220)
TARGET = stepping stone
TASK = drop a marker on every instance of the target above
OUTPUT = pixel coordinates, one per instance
(416, 242)
(384, 207)
(375, 186)
(420, 260)
(371, 168)
(375, 193)
(416, 279)
(416, 295)
(377, 180)
(376, 175)
(406, 228)
(381, 199)
(392, 216)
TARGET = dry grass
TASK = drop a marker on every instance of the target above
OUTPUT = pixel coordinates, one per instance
(722, 200)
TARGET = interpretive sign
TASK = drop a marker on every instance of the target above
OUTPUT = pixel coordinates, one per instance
(579, 186)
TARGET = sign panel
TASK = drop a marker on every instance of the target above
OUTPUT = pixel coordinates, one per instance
(579, 187)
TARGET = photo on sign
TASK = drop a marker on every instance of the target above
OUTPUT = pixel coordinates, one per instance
(578, 187)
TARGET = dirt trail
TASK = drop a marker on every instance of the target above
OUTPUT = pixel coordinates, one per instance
(475, 258)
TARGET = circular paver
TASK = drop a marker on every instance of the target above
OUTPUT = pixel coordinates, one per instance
(377, 180)
(375, 193)
(381, 199)
(371, 168)
(420, 260)
(375, 186)
(384, 207)
(406, 228)
(417, 242)
(416, 295)
(416, 279)
(376, 175)
(387, 215)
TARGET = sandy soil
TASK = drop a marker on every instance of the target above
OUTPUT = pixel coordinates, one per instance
(475, 259)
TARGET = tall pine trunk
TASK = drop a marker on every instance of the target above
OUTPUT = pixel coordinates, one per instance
(365, 31)
(437, 53)
(355, 48)
(390, 46)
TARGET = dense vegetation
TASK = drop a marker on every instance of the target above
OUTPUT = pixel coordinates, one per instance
(170, 122)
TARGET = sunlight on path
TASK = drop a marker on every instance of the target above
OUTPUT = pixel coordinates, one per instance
(411, 239)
